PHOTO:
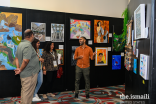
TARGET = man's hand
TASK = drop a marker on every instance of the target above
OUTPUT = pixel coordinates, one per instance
(17, 71)
(94, 54)
(41, 59)
(80, 57)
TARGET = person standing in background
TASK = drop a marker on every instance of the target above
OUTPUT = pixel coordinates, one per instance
(36, 44)
(50, 67)
(27, 63)
(83, 55)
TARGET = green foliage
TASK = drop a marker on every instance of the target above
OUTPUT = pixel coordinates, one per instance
(120, 40)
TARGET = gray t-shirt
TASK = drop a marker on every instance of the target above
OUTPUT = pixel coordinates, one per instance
(26, 51)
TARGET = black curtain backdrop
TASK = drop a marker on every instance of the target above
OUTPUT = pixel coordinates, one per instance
(100, 76)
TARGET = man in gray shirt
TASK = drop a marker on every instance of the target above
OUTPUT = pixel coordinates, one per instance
(27, 63)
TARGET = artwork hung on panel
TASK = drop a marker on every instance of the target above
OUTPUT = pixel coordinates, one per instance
(39, 30)
(144, 66)
(60, 54)
(41, 51)
(134, 47)
(132, 36)
(139, 22)
(73, 61)
(101, 58)
(135, 66)
(80, 28)
(57, 32)
(129, 34)
(116, 62)
(127, 60)
(101, 31)
(10, 37)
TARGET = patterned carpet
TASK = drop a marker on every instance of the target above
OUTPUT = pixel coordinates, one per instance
(104, 95)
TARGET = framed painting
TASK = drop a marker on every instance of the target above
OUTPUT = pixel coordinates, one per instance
(134, 47)
(80, 28)
(10, 37)
(101, 58)
(41, 51)
(60, 54)
(101, 31)
(39, 30)
(73, 61)
(139, 21)
(144, 66)
(129, 34)
(116, 62)
(57, 32)
(135, 66)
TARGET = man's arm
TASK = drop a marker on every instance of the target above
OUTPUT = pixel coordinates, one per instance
(17, 63)
(92, 55)
(27, 52)
(24, 64)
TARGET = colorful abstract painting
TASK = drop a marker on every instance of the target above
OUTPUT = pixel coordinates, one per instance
(73, 61)
(135, 66)
(10, 37)
(41, 51)
(60, 54)
(57, 32)
(39, 30)
(144, 66)
(101, 31)
(134, 47)
(101, 58)
(116, 62)
(139, 21)
(80, 28)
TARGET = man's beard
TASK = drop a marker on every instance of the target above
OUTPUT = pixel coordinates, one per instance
(82, 43)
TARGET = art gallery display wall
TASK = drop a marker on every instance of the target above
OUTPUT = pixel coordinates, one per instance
(62, 28)
(139, 79)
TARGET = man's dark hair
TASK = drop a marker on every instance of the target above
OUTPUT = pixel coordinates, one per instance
(28, 33)
(47, 47)
(83, 37)
(100, 54)
(34, 44)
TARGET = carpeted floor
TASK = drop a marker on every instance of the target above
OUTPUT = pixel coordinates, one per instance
(104, 95)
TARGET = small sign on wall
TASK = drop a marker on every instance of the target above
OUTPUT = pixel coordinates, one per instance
(47, 38)
(109, 48)
(122, 53)
(110, 34)
(60, 46)
(90, 42)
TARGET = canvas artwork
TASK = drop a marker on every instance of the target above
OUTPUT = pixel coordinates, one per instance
(135, 66)
(73, 62)
(144, 66)
(127, 60)
(10, 37)
(101, 58)
(57, 32)
(41, 51)
(101, 31)
(134, 47)
(60, 54)
(139, 21)
(39, 30)
(129, 34)
(80, 28)
(116, 62)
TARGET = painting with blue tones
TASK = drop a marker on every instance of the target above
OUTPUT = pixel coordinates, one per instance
(116, 62)
(135, 66)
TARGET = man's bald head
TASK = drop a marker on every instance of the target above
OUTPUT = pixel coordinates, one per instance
(28, 33)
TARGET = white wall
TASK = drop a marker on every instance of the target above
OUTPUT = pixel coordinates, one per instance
(110, 8)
